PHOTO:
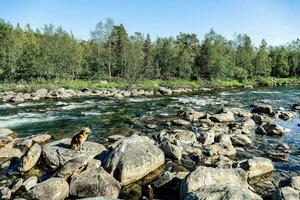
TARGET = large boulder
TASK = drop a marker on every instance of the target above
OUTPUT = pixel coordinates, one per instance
(208, 176)
(184, 136)
(295, 182)
(41, 138)
(222, 193)
(5, 132)
(94, 182)
(223, 117)
(240, 112)
(258, 166)
(263, 109)
(288, 193)
(57, 153)
(10, 153)
(51, 189)
(271, 129)
(30, 159)
(133, 159)
(241, 140)
(192, 115)
(172, 150)
(73, 166)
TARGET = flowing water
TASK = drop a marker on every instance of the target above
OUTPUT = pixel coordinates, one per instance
(63, 118)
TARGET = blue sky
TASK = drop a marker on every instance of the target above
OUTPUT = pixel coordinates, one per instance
(278, 21)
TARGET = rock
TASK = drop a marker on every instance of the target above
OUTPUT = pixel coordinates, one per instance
(288, 193)
(263, 109)
(181, 122)
(192, 115)
(30, 182)
(208, 176)
(16, 185)
(219, 161)
(296, 107)
(207, 137)
(5, 193)
(241, 140)
(286, 115)
(165, 91)
(222, 117)
(51, 189)
(5, 132)
(6, 142)
(184, 136)
(163, 179)
(238, 112)
(222, 193)
(41, 93)
(151, 126)
(30, 159)
(271, 129)
(17, 99)
(24, 144)
(115, 137)
(258, 166)
(295, 183)
(57, 153)
(118, 95)
(248, 87)
(172, 150)
(94, 182)
(221, 149)
(41, 138)
(133, 159)
(10, 153)
(261, 119)
(248, 124)
(73, 166)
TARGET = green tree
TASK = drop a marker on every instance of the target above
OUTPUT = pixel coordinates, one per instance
(262, 61)
(280, 66)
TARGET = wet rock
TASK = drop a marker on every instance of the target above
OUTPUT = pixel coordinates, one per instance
(271, 129)
(94, 182)
(172, 150)
(295, 183)
(133, 159)
(51, 189)
(222, 193)
(222, 117)
(248, 124)
(30, 182)
(296, 107)
(241, 140)
(73, 166)
(263, 109)
(261, 119)
(30, 159)
(57, 153)
(163, 179)
(181, 122)
(286, 115)
(208, 176)
(41, 138)
(258, 166)
(238, 112)
(184, 136)
(288, 193)
(192, 115)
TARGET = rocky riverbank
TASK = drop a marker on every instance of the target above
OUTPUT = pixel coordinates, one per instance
(62, 93)
(197, 155)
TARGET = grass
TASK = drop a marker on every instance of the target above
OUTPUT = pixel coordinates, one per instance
(146, 85)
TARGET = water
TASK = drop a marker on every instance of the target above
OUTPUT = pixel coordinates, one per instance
(64, 118)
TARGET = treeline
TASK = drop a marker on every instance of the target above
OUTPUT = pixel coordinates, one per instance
(51, 53)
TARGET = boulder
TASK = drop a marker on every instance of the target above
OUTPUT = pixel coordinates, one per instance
(208, 176)
(6, 142)
(263, 109)
(184, 136)
(165, 91)
(207, 137)
(288, 193)
(5, 132)
(296, 107)
(192, 115)
(73, 166)
(134, 158)
(181, 122)
(57, 153)
(238, 112)
(30, 159)
(41, 138)
(241, 140)
(285, 115)
(172, 150)
(248, 124)
(221, 149)
(258, 166)
(10, 153)
(222, 117)
(30, 182)
(94, 182)
(51, 189)
(222, 193)
(295, 183)
(271, 129)
(42, 93)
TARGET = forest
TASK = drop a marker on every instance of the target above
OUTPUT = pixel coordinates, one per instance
(51, 54)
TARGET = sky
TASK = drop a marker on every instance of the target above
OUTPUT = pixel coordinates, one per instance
(277, 21)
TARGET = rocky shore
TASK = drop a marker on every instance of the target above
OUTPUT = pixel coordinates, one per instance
(62, 93)
(197, 155)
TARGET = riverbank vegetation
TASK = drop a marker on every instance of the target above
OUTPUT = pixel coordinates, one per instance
(50, 57)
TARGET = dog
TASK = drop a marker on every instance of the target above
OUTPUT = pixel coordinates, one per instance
(79, 138)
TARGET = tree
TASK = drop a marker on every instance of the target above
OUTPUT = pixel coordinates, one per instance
(262, 61)
(280, 67)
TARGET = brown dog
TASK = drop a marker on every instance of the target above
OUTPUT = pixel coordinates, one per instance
(79, 138)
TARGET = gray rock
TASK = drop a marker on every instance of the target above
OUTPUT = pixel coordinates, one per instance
(134, 158)
(295, 183)
(222, 193)
(296, 107)
(165, 91)
(258, 166)
(41, 138)
(30, 159)
(207, 137)
(181, 122)
(208, 176)
(30, 182)
(271, 129)
(40, 93)
(10, 153)
(163, 179)
(172, 150)
(192, 115)
(57, 153)
(5, 193)
(73, 166)
(288, 193)
(238, 112)
(51, 189)
(16, 185)
(5, 132)
(286, 115)
(184, 136)
(94, 182)
(241, 140)
(263, 109)
(248, 124)
(222, 117)
(221, 149)
(17, 99)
